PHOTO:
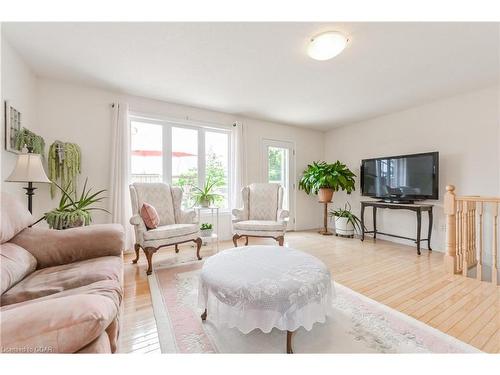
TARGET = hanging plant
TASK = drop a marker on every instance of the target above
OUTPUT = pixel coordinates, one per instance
(64, 164)
(31, 140)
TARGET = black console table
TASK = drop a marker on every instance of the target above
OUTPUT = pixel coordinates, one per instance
(418, 208)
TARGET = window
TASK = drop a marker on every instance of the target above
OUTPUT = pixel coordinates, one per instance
(277, 166)
(185, 162)
(146, 156)
(182, 155)
(216, 164)
(277, 159)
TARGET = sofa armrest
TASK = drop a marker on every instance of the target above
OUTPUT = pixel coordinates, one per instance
(55, 247)
(59, 325)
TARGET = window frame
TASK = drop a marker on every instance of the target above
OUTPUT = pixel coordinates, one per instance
(201, 127)
(292, 162)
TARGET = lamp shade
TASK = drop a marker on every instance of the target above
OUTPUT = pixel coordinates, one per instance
(28, 168)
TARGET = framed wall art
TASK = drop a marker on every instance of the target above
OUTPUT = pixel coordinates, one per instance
(12, 127)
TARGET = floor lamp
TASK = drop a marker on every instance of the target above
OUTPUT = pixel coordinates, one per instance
(29, 169)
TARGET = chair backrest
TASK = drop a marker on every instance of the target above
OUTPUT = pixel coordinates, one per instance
(158, 195)
(262, 201)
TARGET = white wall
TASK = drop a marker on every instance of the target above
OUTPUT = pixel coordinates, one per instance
(19, 87)
(81, 116)
(464, 129)
(74, 113)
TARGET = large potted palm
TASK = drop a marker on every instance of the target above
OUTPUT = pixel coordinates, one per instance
(324, 179)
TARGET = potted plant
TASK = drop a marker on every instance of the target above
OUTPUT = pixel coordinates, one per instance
(345, 221)
(206, 230)
(74, 211)
(324, 179)
(204, 196)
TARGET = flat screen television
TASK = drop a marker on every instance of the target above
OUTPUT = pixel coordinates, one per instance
(403, 178)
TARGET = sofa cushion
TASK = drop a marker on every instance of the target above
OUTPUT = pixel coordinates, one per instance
(259, 225)
(15, 264)
(61, 325)
(150, 216)
(110, 289)
(100, 345)
(14, 217)
(168, 231)
(56, 279)
(53, 247)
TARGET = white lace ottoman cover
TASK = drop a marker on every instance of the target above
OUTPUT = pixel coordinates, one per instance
(265, 287)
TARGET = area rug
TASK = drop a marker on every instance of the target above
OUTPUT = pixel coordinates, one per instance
(358, 324)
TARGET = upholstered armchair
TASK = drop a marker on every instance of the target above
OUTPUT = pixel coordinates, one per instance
(176, 225)
(262, 214)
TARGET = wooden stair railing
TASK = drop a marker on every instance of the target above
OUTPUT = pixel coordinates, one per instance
(465, 242)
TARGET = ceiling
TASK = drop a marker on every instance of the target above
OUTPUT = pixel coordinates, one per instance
(261, 70)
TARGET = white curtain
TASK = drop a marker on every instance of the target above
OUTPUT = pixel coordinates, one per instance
(121, 208)
(238, 162)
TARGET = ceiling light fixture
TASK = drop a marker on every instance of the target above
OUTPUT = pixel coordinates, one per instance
(326, 45)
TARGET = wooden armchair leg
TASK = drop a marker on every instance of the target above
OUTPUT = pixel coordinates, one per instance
(235, 239)
(149, 251)
(198, 242)
(281, 240)
(176, 248)
(137, 247)
(246, 241)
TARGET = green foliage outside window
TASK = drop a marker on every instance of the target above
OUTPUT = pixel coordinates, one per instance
(275, 161)
(214, 171)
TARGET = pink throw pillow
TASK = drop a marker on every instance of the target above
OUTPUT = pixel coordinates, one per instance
(150, 216)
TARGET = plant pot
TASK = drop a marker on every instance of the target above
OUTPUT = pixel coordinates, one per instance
(343, 227)
(74, 224)
(206, 232)
(325, 195)
(204, 203)
(64, 219)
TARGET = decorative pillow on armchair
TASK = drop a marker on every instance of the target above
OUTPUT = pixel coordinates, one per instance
(150, 216)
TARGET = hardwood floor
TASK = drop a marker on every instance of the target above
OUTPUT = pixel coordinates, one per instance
(387, 272)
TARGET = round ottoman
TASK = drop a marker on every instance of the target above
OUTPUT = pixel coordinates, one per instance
(265, 287)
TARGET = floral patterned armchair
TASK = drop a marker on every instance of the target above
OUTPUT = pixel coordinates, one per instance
(176, 225)
(262, 214)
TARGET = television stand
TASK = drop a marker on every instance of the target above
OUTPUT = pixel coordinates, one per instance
(396, 200)
(416, 207)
